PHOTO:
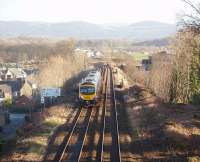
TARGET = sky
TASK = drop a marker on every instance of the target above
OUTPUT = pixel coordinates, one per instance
(94, 11)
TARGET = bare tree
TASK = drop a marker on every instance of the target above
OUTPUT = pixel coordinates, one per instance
(59, 69)
(192, 19)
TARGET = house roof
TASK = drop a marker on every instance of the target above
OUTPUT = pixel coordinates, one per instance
(10, 65)
(17, 72)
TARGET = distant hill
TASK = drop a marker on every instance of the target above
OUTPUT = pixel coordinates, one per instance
(146, 30)
(156, 42)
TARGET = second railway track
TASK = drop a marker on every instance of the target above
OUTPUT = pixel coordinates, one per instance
(111, 145)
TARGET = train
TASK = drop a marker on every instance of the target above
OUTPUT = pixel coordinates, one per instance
(89, 88)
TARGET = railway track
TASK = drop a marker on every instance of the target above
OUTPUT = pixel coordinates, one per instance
(66, 149)
(94, 134)
(111, 145)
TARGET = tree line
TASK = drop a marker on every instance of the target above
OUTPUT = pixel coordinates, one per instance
(176, 77)
(34, 49)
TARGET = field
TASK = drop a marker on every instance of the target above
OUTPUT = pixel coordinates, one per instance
(140, 55)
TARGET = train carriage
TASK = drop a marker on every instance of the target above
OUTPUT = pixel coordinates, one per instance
(89, 88)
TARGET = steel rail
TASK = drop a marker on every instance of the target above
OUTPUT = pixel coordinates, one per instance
(104, 106)
(61, 151)
(85, 134)
(100, 159)
(84, 127)
(118, 152)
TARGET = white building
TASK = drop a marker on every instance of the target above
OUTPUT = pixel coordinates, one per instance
(12, 73)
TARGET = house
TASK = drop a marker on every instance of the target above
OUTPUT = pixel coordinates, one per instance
(3, 72)
(97, 54)
(12, 73)
(90, 53)
(20, 87)
(17, 73)
(8, 75)
(15, 86)
(146, 63)
(29, 89)
(5, 93)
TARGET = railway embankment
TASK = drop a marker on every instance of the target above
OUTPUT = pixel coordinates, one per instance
(154, 130)
(151, 130)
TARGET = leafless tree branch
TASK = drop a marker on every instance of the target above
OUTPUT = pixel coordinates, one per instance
(195, 8)
(192, 20)
(195, 18)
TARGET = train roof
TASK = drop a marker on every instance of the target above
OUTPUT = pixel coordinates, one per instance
(93, 72)
(92, 77)
(90, 80)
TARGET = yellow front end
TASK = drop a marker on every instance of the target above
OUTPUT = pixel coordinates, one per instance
(87, 97)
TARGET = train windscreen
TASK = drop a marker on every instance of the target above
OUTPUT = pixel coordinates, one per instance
(87, 90)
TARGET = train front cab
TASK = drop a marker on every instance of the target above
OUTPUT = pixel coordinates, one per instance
(87, 95)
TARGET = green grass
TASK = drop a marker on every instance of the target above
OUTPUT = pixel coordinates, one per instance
(139, 56)
(37, 147)
(53, 122)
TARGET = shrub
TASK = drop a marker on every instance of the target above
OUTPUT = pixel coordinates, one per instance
(7, 103)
